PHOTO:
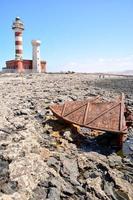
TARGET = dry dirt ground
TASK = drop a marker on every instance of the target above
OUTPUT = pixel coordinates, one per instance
(40, 158)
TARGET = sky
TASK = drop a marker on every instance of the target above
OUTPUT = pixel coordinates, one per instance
(76, 35)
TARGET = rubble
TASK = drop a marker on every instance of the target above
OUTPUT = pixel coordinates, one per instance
(41, 158)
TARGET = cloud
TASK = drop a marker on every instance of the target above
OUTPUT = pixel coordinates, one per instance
(101, 59)
(101, 65)
(71, 66)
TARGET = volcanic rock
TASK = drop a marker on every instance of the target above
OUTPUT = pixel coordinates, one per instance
(42, 158)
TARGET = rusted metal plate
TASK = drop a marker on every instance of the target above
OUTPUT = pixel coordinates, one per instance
(94, 114)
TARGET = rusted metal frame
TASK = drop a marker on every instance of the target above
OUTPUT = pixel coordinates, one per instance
(75, 110)
(104, 112)
(104, 129)
(120, 140)
(86, 112)
(122, 128)
(80, 107)
(62, 113)
(94, 128)
(122, 108)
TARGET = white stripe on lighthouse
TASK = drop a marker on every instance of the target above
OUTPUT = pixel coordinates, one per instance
(18, 38)
(19, 47)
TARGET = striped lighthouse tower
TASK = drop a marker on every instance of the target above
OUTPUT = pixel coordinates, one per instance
(18, 28)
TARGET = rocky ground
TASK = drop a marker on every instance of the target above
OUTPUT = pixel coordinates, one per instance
(41, 158)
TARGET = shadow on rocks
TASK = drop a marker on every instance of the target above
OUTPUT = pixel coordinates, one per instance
(105, 143)
(7, 186)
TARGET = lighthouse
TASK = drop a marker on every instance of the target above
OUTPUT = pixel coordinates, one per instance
(18, 28)
(36, 63)
(24, 65)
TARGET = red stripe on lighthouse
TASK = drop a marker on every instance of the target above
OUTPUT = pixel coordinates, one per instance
(18, 42)
(18, 33)
(19, 51)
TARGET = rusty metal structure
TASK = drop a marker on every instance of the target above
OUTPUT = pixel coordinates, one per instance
(96, 114)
